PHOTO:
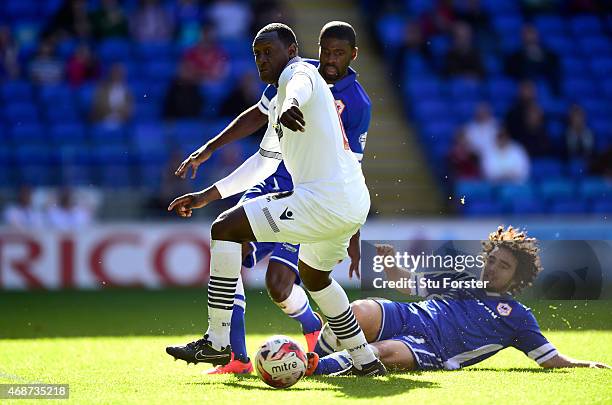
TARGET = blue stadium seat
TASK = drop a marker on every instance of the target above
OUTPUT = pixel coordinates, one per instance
(68, 134)
(113, 166)
(391, 29)
(17, 91)
(237, 48)
(84, 97)
(462, 89)
(560, 44)
(474, 189)
(430, 110)
(21, 112)
(585, 25)
(500, 87)
(573, 66)
(556, 129)
(579, 89)
(103, 135)
(146, 109)
(545, 168)
(577, 168)
(602, 127)
(423, 89)
(161, 71)
(439, 131)
(601, 66)
(7, 168)
(77, 165)
(550, 25)
(418, 7)
(556, 189)
(569, 207)
(501, 7)
(464, 109)
(147, 51)
(148, 90)
(145, 134)
(603, 206)
(414, 64)
(114, 50)
(38, 165)
(493, 64)
(526, 205)
(61, 113)
(56, 94)
(18, 10)
(598, 45)
(439, 45)
(595, 188)
(511, 191)
(28, 133)
(476, 208)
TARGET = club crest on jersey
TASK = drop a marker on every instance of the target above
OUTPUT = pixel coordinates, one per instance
(504, 309)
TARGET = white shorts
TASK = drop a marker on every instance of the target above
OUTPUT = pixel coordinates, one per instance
(297, 217)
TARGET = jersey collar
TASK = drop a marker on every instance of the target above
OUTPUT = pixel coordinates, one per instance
(346, 81)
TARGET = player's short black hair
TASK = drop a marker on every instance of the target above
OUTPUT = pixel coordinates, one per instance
(284, 32)
(339, 30)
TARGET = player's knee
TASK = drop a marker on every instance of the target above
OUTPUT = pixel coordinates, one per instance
(365, 312)
(279, 281)
(219, 229)
(315, 280)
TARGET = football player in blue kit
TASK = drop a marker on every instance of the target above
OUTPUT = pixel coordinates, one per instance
(457, 327)
(337, 49)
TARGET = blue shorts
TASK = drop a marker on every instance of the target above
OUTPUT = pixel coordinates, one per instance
(401, 323)
(284, 253)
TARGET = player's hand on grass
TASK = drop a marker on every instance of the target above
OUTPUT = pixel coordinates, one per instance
(185, 204)
(292, 117)
(194, 161)
(594, 364)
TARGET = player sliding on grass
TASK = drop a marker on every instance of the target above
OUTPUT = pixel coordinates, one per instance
(327, 206)
(456, 328)
(337, 48)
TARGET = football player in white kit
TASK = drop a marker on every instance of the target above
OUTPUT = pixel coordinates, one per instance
(329, 203)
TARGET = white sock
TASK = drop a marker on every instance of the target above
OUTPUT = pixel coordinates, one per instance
(296, 301)
(225, 264)
(335, 306)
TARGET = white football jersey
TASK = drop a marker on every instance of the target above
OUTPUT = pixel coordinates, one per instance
(318, 159)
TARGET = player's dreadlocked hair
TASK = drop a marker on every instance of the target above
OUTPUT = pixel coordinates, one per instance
(525, 250)
(284, 32)
(339, 30)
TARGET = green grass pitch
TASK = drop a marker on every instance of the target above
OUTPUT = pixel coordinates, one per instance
(109, 346)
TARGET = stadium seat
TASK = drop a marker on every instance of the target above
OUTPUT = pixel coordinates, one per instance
(603, 206)
(577, 168)
(17, 91)
(500, 87)
(21, 112)
(601, 66)
(526, 206)
(462, 89)
(476, 208)
(56, 94)
(68, 134)
(510, 191)
(593, 188)
(549, 25)
(103, 135)
(556, 189)
(546, 168)
(159, 71)
(585, 25)
(391, 30)
(114, 50)
(574, 207)
(474, 189)
(145, 134)
(146, 109)
(428, 88)
(61, 113)
(597, 45)
(30, 133)
(113, 166)
(38, 165)
(147, 51)
(560, 44)
(18, 10)
(439, 131)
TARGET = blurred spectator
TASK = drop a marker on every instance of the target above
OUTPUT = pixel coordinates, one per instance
(533, 135)
(82, 66)
(462, 58)
(170, 185)
(481, 132)
(531, 7)
(244, 95)
(71, 20)
(533, 61)
(9, 52)
(507, 161)
(472, 13)
(526, 95)
(579, 139)
(602, 163)
(46, 68)
(183, 98)
(266, 11)
(66, 215)
(414, 42)
(208, 59)
(231, 18)
(113, 101)
(23, 214)
(440, 20)
(109, 21)
(463, 161)
(152, 23)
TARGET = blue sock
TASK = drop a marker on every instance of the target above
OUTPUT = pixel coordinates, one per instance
(307, 318)
(296, 306)
(333, 363)
(238, 334)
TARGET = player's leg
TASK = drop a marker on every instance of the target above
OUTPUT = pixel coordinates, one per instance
(395, 355)
(283, 284)
(227, 233)
(334, 304)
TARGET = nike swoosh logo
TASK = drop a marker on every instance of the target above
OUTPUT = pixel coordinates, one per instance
(200, 356)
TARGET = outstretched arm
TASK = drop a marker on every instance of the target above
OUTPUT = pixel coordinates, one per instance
(561, 361)
(254, 170)
(245, 124)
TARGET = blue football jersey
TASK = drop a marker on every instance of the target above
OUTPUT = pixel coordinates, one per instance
(465, 326)
(354, 108)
